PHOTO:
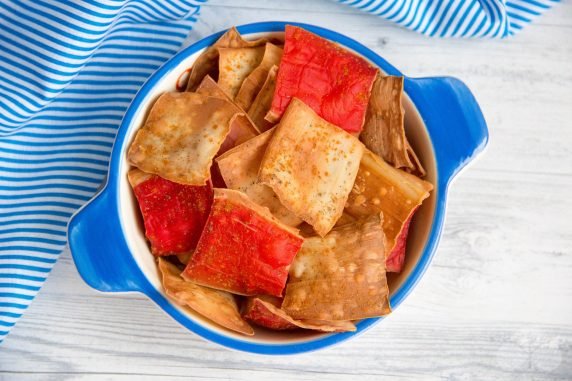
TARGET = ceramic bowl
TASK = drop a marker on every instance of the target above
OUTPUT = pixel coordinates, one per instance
(444, 125)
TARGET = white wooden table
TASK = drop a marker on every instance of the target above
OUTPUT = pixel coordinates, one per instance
(497, 301)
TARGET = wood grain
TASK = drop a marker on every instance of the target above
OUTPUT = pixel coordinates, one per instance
(497, 301)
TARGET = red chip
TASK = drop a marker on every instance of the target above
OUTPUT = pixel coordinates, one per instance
(258, 313)
(243, 248)
(334, 82)
(394, 262)
(174, 214)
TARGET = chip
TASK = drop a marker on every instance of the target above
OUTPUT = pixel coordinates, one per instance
(265, 311)
(241, 128)
(243, 248)
(207, 62)
(239, 168)
(340, 276)
(396, 258)
(379, 187)
(235, 64)
(173, 214)
(218, 306)
(263, 101)
(253, 83)
(330, 79)
(181, 135)
(311, 165)
(384, 129)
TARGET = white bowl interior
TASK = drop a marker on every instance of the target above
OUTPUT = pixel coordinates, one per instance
(134, 232)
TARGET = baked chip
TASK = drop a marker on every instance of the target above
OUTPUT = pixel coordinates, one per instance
(333, 81)
(239, 168)
(253, 83)
(263, 101)
(173, 214)
(243, 248)
(218, 306)
(207, 62)
(265, 311)
(379, 187)
(384, 130)
(241, 128)
(235, 64)
(311, 165)
(181, 135)
(340, 276)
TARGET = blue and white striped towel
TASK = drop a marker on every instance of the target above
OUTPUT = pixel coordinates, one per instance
(457, 18)
(68, 71)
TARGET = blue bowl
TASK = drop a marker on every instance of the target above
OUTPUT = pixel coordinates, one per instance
(443, 122)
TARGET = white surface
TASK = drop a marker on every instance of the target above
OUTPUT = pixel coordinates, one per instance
(497, 301)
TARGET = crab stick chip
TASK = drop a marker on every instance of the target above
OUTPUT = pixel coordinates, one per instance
(379, 187)
(311, 165)
(173, 214)
(207, 63)
(218, 306)
(265, 311)
(235, 64)
(181, 135)
(253, 82)
(239, 168)
(333, 81)
(340, 276)
(243, 248)
(263, 101)
(384, 130)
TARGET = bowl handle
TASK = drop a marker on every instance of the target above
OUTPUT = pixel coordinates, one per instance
(454, 121)
(99, 249)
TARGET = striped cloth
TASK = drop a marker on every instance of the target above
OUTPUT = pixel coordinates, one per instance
(457, 18)
(68, 71)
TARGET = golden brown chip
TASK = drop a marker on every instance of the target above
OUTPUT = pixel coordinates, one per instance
(181, 135)
(235, 64)
(384, 130)
(311, 165)
(379, 187)
(239, 168)
(207, 62)
(265, 313)
(340, 276)
(218, 306)
(255, 80)
(263, 101)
